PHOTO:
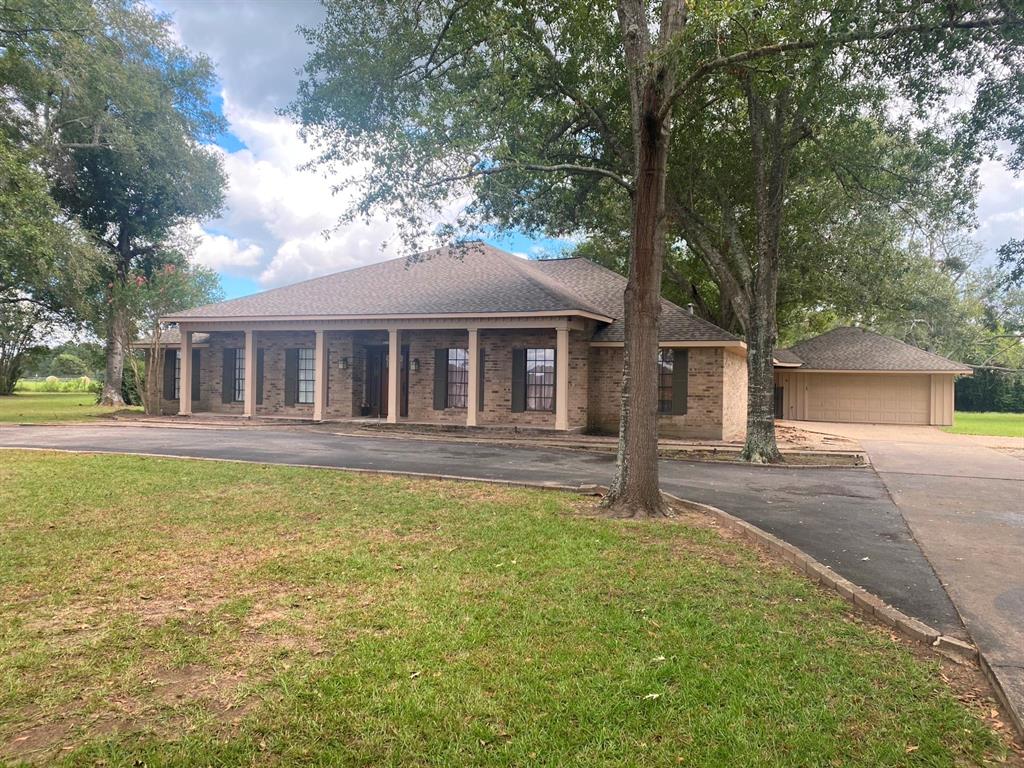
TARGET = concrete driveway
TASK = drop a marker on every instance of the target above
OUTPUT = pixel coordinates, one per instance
(963, 498)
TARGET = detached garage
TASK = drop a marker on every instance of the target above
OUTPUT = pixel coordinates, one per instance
(855, 375)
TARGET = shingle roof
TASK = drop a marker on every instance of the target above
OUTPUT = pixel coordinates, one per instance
(604, 288)
(470, 279)
(858, 349)
(171, 337)
(786, 357)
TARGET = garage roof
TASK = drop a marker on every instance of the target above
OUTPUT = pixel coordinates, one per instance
(858, 349)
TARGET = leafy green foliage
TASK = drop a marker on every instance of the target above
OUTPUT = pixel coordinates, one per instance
(177, 285)
(118, 113)
(802, 134)
(22, 323)
(90, 353)
(53, 384)
(44, 256)
(989, 390)
(66, 364)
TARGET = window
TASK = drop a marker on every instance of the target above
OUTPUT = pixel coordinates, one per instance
(666, 363)
(239, 375)
(177, 374)
(540, 379)
(306, 376)
(458, 378)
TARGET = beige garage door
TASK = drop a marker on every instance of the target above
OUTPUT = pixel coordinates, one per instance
(869, 398)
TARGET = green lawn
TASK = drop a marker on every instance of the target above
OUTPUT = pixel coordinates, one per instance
(1004, 424)
(32, 407)
(164, 612)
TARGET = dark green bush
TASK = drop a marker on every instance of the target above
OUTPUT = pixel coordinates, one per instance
(988, 391)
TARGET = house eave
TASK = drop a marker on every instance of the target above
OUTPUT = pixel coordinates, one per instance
(195, 321)
(733, 344)
(889, 371)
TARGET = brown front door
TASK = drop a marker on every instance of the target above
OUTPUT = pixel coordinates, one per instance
(377, 381)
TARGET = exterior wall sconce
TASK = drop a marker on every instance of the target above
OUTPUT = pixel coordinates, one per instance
(344, 363)
(415, 366)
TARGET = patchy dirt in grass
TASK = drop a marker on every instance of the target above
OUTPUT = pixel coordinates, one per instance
(163, 695)
(35, 741)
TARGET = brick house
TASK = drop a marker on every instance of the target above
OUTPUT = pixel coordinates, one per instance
(483, 338)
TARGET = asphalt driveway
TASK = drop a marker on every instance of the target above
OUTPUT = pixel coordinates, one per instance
(843, 517)
(964, 503)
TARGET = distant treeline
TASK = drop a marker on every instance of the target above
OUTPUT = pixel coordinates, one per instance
(991, 391)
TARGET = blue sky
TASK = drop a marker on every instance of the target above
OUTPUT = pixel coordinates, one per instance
(271, 231)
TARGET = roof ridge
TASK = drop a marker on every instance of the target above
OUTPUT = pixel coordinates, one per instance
(547, 282)
(810, 347)
(289, 286)
(672, 304)
(419, 255)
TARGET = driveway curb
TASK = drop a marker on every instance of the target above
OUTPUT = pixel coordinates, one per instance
(868, 604)
(697, 454)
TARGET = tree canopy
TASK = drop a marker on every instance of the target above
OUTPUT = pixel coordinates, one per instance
(657, 121)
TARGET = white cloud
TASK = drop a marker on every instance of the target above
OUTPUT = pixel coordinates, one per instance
(277, 215)
(221, 252)
(1000, 206)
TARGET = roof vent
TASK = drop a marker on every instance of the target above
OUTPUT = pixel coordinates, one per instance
(689, 307)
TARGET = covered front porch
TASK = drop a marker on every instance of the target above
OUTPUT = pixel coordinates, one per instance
(530, 372)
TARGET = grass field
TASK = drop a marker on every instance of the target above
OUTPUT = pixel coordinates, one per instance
(33, 407)
(167, 612)
(1004, 424)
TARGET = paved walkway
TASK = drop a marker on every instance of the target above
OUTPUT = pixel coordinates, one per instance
(842, 517)
(964, 503)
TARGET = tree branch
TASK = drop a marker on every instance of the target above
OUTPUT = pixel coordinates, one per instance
(776, 49)
(570, 168)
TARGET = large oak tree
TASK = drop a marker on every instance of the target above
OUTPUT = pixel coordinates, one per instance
(518, 103)
(120, 113)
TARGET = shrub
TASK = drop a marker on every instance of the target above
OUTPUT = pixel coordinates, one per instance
(54, 384)
(991, 391)
(132, 386)
(67, 364)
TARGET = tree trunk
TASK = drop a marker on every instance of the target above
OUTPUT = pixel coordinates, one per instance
(10, 372)
(116, 331)
(635, 490)
(117, 322)
(761, 447)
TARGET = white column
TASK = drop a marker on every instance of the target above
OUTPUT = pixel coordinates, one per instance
(185, 374)
(562, 379)
(249, 390)
(319, 376)
(473, 393)
(394, 368)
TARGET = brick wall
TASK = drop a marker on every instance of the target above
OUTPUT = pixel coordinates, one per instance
(213, 365)
(716, 403)
(273, 344)
(734, 396)
(345, 387)
(704, 412)
(340, 400)
(169, 406)
(496, 346)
